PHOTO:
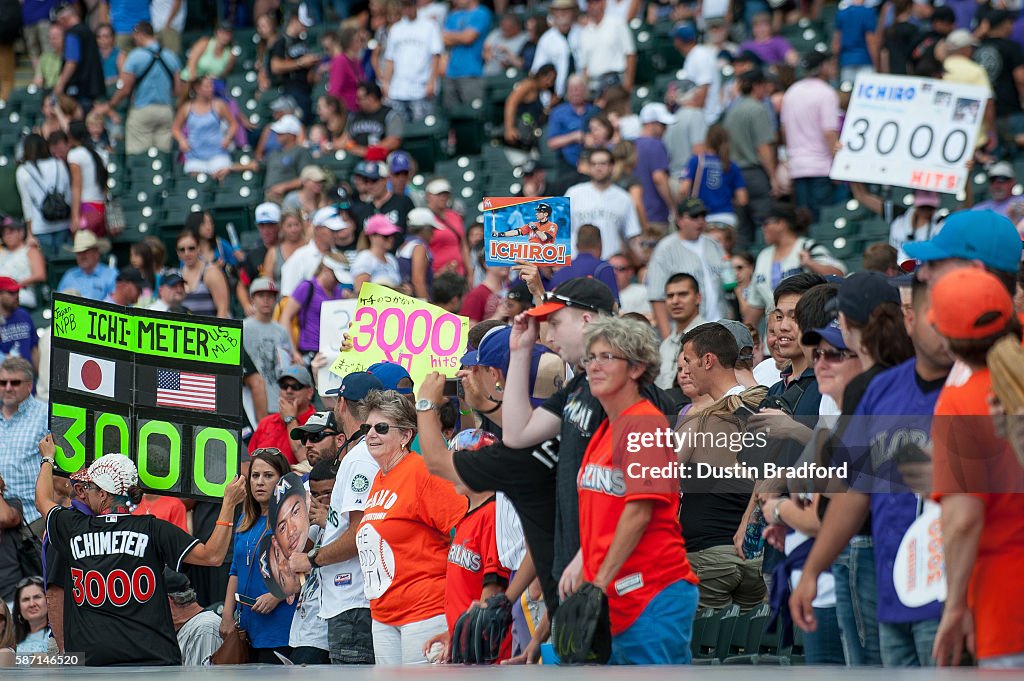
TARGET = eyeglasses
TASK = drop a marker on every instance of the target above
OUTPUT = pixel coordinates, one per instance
(317, 437)
(382, 428)
(13, 383)
(833, 356)
(600, 359)
(187, 249)
(621, 268)
(29, 580)
(291, 386)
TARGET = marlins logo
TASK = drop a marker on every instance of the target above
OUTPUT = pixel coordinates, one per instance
(282, 489)
(603, 479)
(360, 483)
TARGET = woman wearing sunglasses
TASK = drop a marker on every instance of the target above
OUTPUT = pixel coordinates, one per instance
(404, 535)
(31, 629)
(631, 543)
(206, 287)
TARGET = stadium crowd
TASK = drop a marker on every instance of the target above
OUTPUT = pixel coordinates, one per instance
(697, 301)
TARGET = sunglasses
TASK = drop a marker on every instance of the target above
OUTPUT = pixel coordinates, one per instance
(29, 580)
(317, 437)
(13, 383)
(291, 386)
(568, 302)
(833, 356)
(382, 428)
(187, 249)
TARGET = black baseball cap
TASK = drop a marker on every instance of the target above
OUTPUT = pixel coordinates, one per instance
(132, 276)
(862, 292)
(520, 292)
(175, 582)
(782, 211)
(815, 59)
(544, 207)
(317, 423)
(582, 292)
(692, 206)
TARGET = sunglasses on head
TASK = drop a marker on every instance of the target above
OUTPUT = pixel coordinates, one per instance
(29, 580)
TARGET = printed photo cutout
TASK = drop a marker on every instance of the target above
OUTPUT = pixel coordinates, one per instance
(518, 230)
(280, 581)
(288, 518)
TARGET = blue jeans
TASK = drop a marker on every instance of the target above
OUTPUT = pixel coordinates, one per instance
(662, 632)
(823, 646)
(812, 193)
(54, 241)
(909, 644)
(856, 602)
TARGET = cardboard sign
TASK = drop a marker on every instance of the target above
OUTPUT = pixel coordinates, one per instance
(910, 132)
(335, 317)
(520, 230)
(288, 516)
(164, 389)
(392, 327)
(919, 571)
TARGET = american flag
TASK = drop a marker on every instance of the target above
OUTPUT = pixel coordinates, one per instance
(185, 389)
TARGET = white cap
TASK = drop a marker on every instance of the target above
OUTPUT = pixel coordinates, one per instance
(328, 217)
(656, 112)
(287, 125)
(114, 473)
(268, 212)
(438, 186)
(420, 217)
(341, 272)
(959, 39)
(305, 18)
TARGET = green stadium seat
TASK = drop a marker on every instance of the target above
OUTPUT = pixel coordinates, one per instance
(705, 632)
(727, 618)
(422, 140)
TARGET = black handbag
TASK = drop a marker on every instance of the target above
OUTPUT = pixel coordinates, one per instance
(30, 550)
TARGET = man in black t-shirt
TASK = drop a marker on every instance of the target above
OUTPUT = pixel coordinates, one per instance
(291, 64)
(373, 177)
(1003, 61)
(115, 604)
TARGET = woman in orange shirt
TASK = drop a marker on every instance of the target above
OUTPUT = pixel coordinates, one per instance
(404, 536)
(630, 539)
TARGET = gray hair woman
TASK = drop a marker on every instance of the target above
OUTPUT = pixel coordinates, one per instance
(630, 540)
(403, 538)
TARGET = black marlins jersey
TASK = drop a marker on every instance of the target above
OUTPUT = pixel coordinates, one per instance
(115, 604)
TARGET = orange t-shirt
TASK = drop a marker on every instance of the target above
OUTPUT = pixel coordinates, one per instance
(473, 556)
(403, 542)
(544, 233)
(605, 487)
(166, 508)
(969, 458)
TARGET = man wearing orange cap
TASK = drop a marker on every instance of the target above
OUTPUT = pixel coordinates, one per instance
(976, 478)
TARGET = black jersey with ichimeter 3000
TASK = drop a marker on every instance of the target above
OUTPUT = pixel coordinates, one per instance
(115, 605)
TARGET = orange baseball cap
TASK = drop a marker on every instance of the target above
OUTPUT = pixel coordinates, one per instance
(969, 304)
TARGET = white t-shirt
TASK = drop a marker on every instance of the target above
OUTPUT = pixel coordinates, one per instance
(411, 47)
(91, 191)
(160, 13)
(342, 583)
(436, 12)
(618, 8)
(634, 299)
(386, 272)
(701, 67)
(299, 267)
(901, 231)
(711, 283)
(605, 46)
(554, 48)
(35, 181)
(611, 211)
(766, 373)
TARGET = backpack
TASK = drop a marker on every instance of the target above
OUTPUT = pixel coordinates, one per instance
(54, 207)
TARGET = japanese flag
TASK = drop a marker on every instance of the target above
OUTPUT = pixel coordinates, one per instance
(91, 374)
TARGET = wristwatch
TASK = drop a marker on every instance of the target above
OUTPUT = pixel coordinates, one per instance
(425, 405)
(49, 460)
(312, 555)
(287, 419)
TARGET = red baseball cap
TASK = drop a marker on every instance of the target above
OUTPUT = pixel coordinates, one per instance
(969, 304)
(8, 284)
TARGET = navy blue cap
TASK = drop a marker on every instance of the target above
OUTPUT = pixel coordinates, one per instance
(830, 334)
(493, 350)
(685, 32)
(389, 374)
(356, 386)
(861, 292)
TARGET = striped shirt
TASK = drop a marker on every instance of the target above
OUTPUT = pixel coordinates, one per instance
(19, 463)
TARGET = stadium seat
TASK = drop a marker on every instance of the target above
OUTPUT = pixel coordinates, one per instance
(727, 618)
(705, 632)
(423, 141)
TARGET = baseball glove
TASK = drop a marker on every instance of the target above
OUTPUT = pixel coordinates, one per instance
(491, 627)
(582, 629)
(463, 648)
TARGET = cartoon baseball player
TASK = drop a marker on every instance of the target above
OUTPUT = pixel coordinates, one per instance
(543, 231)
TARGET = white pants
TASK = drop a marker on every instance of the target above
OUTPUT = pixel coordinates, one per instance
(404, 644)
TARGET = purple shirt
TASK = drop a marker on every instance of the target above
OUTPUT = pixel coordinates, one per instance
(1001, 207)
(651, 156)
(772, 51)
(585, 265)
(309, 312)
